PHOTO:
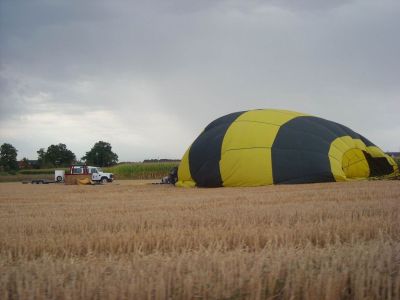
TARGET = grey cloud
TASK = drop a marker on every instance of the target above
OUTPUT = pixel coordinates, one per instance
(311, 4)
(194, 61)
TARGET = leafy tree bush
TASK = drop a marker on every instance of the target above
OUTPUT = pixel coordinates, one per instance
(41, 157)
(8, 157)
(55, 156)
(101, 155)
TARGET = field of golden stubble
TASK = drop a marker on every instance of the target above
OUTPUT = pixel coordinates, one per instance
(130, 241)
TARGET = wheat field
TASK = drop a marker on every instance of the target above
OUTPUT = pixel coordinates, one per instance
(132, 240)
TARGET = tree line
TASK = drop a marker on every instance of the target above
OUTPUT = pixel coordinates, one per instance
(55, 156)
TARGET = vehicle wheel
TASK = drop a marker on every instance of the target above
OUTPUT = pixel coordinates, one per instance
(104, 180)
(59, 178)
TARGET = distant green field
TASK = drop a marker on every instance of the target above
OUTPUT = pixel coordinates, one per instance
(122, 171)
(141, 170)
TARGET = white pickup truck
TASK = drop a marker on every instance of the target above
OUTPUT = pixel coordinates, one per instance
(99, 175)
(96, 173)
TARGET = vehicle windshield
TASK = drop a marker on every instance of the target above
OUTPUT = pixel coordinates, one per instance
(99, 170)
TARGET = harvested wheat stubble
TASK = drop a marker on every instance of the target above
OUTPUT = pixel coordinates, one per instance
(318, 241)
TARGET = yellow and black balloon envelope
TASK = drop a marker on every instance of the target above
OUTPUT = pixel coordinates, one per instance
(262, 147)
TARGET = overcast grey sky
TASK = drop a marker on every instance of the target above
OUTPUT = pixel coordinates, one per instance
(148, 76)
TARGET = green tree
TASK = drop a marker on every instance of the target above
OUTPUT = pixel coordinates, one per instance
(41, 157)
(101, 155)
(57, 156)
(8, 157)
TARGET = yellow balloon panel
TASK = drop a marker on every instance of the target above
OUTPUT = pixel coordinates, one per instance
(354, 164)
(347, 160)
(252, 135)
(277, 117)
(246, 161)
(246, 167)
(185, 178)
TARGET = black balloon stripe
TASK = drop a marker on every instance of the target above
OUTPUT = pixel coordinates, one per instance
(301, 147)
(205, 152)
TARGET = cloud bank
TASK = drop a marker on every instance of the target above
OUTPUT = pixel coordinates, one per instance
(148, 77)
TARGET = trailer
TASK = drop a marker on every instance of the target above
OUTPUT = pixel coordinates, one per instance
(39, 181)
(77, 174)
(42, 181)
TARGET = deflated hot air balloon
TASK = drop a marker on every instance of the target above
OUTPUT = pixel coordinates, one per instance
(262, 147)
